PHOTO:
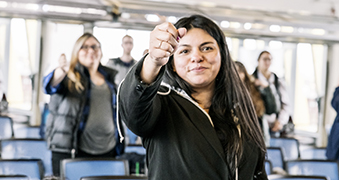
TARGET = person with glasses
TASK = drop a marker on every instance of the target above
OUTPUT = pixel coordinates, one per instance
(82, 118)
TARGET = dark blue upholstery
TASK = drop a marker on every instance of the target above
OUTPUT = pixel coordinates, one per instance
(289, 147)
(74, 169)
(313, 153)
(326, 168)
(295, 177)
(32, 168)
(276, 156)
(6, 127)
(27, 149)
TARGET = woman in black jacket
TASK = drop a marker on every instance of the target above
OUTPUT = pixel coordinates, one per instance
(200, 122)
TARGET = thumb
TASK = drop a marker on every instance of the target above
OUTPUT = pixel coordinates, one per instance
(182, 32)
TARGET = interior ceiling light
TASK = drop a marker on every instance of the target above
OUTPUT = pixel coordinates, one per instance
(152, 18)
(61, 9)
(275, 28)
(73, 10)
(172, 19)
(125, 15)
(318, 32)
(208, 4)
(3, 4)
(247, 26)
(235, 25)
(225, 24)
(287, 29)
(33, 7)
(94, 11)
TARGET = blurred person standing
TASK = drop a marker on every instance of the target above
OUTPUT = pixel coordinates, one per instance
(122, 65)
(277, 108)
(82, 118)
(257, 100)
(125, 62)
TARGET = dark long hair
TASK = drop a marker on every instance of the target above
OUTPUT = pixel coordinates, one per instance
(254, 92)
(230, 101)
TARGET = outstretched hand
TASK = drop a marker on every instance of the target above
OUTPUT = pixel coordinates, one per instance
(63, 64)
(163, 42)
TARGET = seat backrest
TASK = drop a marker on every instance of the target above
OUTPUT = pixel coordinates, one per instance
(32, 168)
(74, 169)
(289, 146)
(14, 177)
(27, 132)
(268, 167)
(27, 149)
(276, 156)
(113, 177)
(139, 149)
(6, 127)
(313, 153)
(326, 168)
(295, 177)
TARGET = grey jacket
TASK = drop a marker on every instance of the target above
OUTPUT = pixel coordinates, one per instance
(69, 111)
(178, 135)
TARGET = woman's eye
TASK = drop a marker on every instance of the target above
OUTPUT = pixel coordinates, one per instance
(207, 48)
(183, 51)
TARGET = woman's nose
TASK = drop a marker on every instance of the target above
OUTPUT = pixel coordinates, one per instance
(196, 56)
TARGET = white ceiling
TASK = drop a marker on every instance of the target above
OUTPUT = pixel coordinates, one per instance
(321, 14)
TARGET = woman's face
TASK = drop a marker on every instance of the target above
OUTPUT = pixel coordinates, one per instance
(197, 59)
(265, 61)
(90, 53)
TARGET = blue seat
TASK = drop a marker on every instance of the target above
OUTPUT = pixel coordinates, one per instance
(313, 153)
(6, 127)
(27, 132)
(289, 147)
(326, 168)
(74, 169)
(268, 167)
(276, 156)
(27, 149)
(14, 177)
(294, 177)
(139, 149)
(113, 177)
(32, 168)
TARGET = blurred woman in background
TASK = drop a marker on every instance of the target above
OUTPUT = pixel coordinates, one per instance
(82, 119)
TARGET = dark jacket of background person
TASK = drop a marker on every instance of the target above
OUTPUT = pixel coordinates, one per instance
(332, 150)
(69, 110)
(172, 124)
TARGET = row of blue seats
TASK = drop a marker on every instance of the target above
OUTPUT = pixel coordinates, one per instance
(11, 149)
(284, 154)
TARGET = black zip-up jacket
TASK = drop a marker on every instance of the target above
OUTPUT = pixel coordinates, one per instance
(178, 135)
